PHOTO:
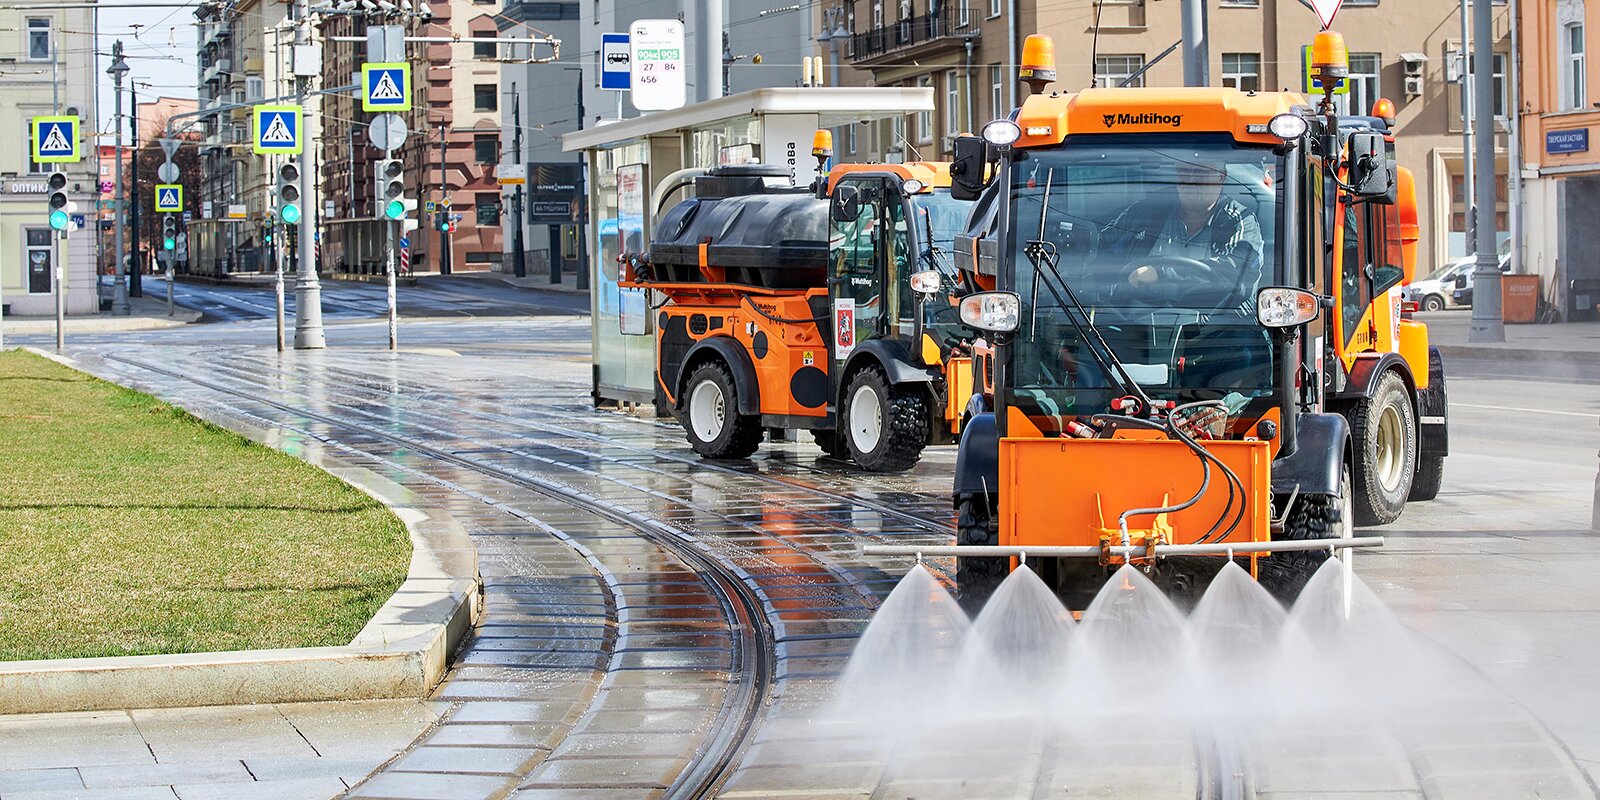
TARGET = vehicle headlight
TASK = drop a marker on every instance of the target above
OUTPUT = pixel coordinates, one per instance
(1002, 133)
(1283, 307)
(991, 311)
(927, 282)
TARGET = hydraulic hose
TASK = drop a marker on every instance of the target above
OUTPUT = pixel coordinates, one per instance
(1233, 479)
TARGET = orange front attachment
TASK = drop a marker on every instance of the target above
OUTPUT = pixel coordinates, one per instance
(1069, 492)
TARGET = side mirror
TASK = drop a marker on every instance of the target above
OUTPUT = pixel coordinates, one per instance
(1461, 280)
(1370, 172)
(846, 206)
(968, 168)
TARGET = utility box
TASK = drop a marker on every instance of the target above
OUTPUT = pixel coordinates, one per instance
(1519, 298)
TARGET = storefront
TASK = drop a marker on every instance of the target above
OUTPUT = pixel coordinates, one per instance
(30, 251)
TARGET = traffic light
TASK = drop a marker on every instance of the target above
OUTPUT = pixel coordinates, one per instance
(289, 193)
(59, 216)
(169, 232)
(391, 189)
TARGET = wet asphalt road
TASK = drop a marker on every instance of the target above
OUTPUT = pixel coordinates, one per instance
(646, 612)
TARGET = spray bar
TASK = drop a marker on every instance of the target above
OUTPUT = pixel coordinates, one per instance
(1090, 551)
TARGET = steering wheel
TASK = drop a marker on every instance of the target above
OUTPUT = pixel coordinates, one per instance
(1170, 278)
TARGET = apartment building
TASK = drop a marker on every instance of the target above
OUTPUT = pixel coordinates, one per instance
(1560, 117)
(47, 68)
(244, 59)
(1405, 50)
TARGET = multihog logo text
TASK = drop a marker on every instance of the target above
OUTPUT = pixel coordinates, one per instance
(1175, 120)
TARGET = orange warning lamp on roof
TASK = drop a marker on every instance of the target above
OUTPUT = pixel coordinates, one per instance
(1038, 62)
(822, 144)
(1330, 59)
(1384, 110)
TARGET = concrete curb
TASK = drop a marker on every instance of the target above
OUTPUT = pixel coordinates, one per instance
(1513, 353)
(403, 651)
(77, 326)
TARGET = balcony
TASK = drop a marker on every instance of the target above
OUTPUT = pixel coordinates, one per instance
(917, 37)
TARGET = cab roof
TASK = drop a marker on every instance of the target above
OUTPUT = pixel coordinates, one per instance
(932, 174)
(1048, 119)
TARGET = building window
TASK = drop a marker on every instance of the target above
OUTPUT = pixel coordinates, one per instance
(952, 103)
(34, 167)
(997, 91)
(1574, 94)
(39, 48)
(994, 8)
(1242, 71)
(486, 148)
(925, 118)
(844, 139)
(488, 208)
(962, 15)
(1111, 71)
(485, 50)
(485, 97)
(37, 256)
(1366, 84)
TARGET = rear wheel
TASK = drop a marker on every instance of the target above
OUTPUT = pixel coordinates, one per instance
(1433, 302)
(977, 578)
(711, 417)
(884, 426)
(1430, 476)
(1384, 432)
(1314, 516)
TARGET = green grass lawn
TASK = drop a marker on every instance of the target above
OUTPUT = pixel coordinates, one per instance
(130, 527)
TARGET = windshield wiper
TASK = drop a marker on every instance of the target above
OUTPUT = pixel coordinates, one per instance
(1042, 253)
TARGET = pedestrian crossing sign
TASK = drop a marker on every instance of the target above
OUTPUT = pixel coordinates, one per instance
(277, 129)
(387, 87)
(169, 198)
(55, 140)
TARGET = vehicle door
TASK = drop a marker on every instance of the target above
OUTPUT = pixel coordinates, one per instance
(860, 233)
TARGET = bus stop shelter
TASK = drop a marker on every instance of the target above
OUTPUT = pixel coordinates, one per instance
(626, 160)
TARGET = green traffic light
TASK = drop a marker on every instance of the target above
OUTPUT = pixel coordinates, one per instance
(290, 213)
(395, 209)
(59, 220)
(169, 243)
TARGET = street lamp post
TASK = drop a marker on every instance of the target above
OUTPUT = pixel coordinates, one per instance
(308, 332)
(119, 298)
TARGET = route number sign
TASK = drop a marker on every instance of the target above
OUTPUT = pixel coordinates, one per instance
(656, 64)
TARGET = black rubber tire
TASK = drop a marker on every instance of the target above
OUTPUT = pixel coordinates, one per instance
(1429, 478)
(904, 418)
(1315, 516)
(741, 434)
(1374, 505)
(977, 578)
(830, 443)
(1433, 302)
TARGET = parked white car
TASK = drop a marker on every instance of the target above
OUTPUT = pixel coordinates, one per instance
(1434, 293)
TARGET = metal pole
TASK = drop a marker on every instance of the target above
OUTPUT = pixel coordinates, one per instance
(444, 193)
(1514, 149)
(519, 258)
(119, 297)
(135, 268)
(1135, 551)
(1469, 197)
(389, 245)
(308, 332)
(280, 252)
(60, 291)
(708, 40)
(583, 204)
(1196, 46)
(1487, 323)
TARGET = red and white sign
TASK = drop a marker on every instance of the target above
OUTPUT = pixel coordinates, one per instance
(1325, 10)
(844, 327)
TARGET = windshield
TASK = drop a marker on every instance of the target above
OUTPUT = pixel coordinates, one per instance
(1165, 240)
(945, 218)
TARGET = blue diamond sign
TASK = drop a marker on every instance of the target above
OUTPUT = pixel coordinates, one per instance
(276, 129)
(55, 140)
(386, 87)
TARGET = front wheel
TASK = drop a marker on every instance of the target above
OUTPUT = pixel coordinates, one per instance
(1433, 302)
(977, 578)
(1314, 516)
(1384, 433)
(711, 417)
(885, 426)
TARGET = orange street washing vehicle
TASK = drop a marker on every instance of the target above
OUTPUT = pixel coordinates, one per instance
(1200, 351)
(828, 309)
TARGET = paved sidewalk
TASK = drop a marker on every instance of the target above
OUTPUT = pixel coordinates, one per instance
(309, 751)
(1570, 342)
(536, 282)
(147, 313)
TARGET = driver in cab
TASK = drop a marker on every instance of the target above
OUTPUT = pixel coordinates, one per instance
(1190, 238)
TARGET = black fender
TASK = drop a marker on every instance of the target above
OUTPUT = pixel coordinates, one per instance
(1316, 465)
(894, 358)
(1433, 410)
(979, 403)
(731, 353)
(1364, 374)
(978, 457)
